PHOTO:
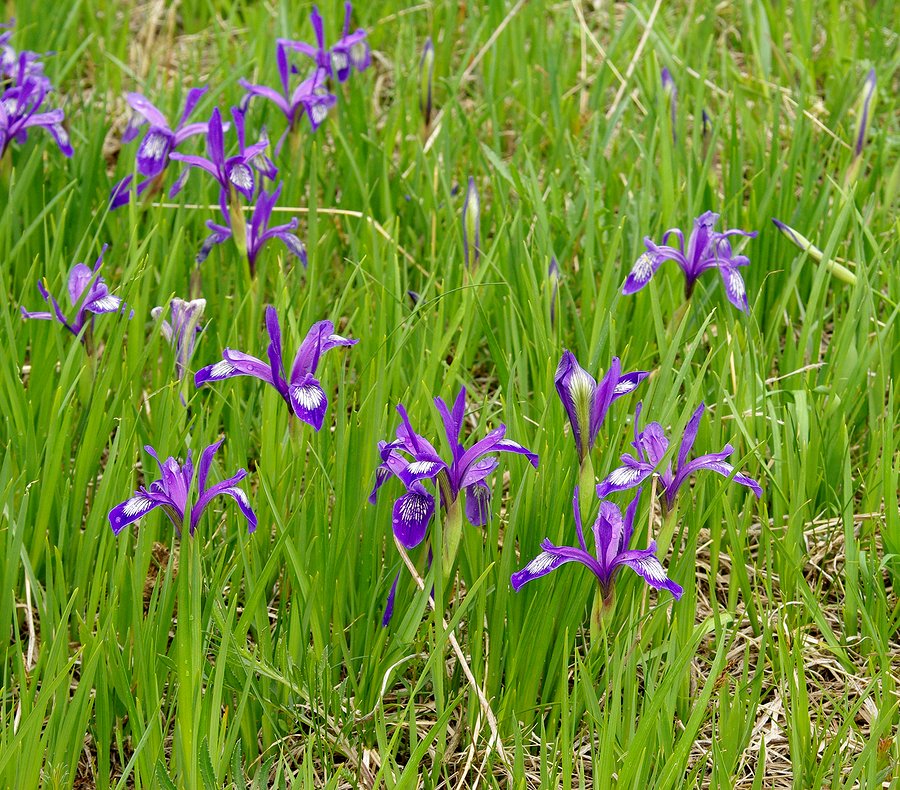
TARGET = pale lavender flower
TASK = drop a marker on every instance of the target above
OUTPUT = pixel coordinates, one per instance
(172, 494)
(651, 445)
(706, 249)
(258, 231)
(182, 332)
(302, 392)
(612, 534)
(87, 292)
(587, 402)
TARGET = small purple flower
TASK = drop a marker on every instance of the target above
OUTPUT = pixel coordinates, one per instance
(303, 393)
(411, 458)
(587, 402)
(651, 445)
(310, 98)
(173, 491)
(159, 141)
(20, 110)
(426, 74)
(350, 52)
(868, 94)
(87, 292)
(671, 94)
(706, 249)
(471, 216)
(256, 154)
(234, 173)
(182, 332)
(258, 231)
(612, 535)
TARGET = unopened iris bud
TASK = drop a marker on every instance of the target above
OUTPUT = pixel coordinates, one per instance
(670, 93)
(842, 273)
(426, 72)
(472, 225)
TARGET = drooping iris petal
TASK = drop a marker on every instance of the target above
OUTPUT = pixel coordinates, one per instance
(411, 516)
(646, 565)
(131, 510)
(153, 152)
(309, 402)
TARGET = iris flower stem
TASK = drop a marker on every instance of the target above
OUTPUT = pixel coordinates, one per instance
(602, 613)
(666, 532)
(586, 486)
(453, 527)
(494, 742)
(189, 650)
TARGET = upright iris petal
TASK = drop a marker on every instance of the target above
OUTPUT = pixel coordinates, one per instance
(172, 494)
(302, 392)
(586, 403)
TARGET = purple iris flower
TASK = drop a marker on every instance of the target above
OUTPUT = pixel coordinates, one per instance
(182, 332)
(351, 51)
(706, 249)
(411, 458)
(258, 231)
(303, 393)
(651, 445)
(159, 141)
(471, 215)
(173, 491)
(310, 97)
(257, 155)
(20, 110)
(233, 173)
(587, 402)
(87, 292)
(612, 534)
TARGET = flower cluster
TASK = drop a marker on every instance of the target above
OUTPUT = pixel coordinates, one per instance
(24, 89)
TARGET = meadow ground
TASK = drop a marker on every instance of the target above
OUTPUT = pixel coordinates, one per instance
(233, 659)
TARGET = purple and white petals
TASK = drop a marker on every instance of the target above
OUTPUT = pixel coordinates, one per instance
(646, 565)
(641, 273)
(153, 152)
(545, 562)
(309, 402)
(411, 516)
(131, 510)
(630, 475)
